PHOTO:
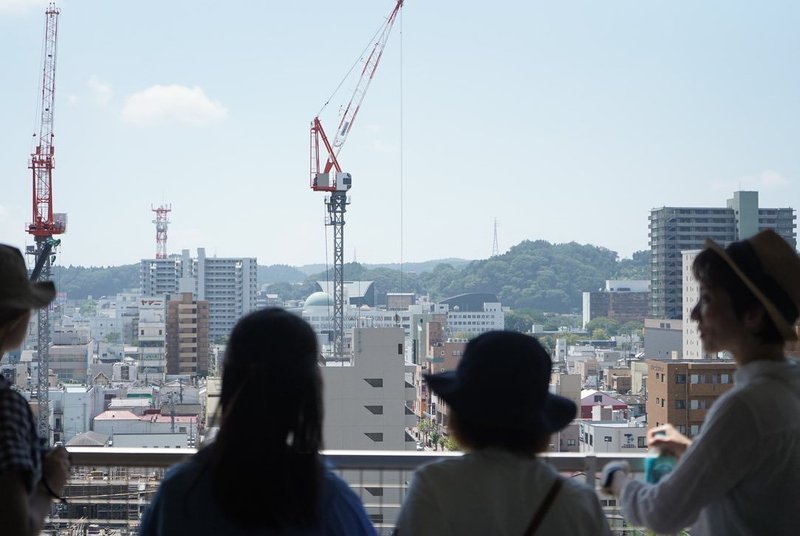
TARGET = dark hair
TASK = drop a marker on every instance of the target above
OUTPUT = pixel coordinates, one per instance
(711, 270)
(479, 435)
(266, 467)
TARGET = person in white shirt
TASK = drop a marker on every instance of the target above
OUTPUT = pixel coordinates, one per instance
(741, 474)
(502, 414)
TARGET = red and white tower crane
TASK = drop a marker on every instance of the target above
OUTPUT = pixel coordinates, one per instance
(330, 177)
(161, 222)
(45, 224)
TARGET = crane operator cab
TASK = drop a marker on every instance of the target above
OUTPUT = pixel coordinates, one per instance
(322, 181)
(343, 181)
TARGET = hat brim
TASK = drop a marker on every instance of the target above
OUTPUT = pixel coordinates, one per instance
(783, 326)
(38, 295)
(555, 415)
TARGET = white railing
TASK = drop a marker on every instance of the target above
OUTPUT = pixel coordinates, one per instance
(110, 487)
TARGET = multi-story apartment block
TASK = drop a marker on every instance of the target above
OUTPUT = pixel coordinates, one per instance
(229, 285)
(620, 300)
(681, 392)
(71, 354)
(368, 399)
(187, 336)
(152, 333)
(692, 345)
(677, 229)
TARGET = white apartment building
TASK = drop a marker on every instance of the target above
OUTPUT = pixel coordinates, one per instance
(73, 407)
(70, 354)
(228, 284)
(368, 400)
(611, 436)
(473, 323)
(152, 333)
(692, 345)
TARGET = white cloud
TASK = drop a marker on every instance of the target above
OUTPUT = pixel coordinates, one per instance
(159, 105)
(20, 6)
(2, 211)
(101, 91)
(766, 180)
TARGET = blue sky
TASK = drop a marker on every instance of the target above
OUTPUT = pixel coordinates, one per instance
(566, 121)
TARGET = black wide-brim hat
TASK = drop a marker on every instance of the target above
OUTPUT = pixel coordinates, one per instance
(503, 381)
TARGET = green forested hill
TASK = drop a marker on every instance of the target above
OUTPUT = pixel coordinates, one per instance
(96, 281)
(534, 275)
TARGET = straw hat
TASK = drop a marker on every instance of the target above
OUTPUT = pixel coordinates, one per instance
(770, 268)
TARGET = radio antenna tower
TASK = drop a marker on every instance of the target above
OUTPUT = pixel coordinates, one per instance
(495, 247)
(161, 222)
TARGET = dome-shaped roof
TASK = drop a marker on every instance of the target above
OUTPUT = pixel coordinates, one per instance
(318, 299)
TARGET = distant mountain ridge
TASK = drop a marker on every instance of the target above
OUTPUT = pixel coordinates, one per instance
(533, 275)
(425, 266)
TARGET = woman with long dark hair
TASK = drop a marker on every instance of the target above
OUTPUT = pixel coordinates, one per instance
(263, 473)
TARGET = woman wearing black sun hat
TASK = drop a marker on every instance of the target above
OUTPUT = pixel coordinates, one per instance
(502, 414)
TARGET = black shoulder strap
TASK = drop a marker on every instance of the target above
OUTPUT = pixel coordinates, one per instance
(545, 506)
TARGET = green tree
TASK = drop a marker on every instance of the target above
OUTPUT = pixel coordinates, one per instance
(610, 326)
(112, 338)
(435, 436)
(449, 443)
(425, 427)
(88, 308)
(633, 327)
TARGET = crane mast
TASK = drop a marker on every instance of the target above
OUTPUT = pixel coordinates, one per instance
(45, 224)
(338, 183)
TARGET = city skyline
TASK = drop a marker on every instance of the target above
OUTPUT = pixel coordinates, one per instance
(564, 122)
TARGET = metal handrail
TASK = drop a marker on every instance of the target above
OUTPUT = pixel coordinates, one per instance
(564, 462)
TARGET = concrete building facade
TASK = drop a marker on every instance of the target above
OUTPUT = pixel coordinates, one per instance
(228, 284)
(676, 229)
(682, 392)
(368, 400)
(187, 336)
(620, 300)
(152, 334)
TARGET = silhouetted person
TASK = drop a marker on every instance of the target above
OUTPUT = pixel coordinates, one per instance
(263, 474)
(502, 414)
(31, 476)
(741, 474)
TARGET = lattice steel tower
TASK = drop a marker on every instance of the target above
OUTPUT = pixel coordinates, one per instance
(161, 222)
(45, 224)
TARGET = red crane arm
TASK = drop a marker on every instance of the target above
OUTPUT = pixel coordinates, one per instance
(350, 110)
(42, 160)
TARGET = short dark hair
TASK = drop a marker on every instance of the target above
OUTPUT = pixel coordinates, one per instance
(711, 270)
(478, 435)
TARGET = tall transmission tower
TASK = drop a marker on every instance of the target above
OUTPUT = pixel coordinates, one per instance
(45, 224)
(161, 222)
(337, 184)
(495, 247)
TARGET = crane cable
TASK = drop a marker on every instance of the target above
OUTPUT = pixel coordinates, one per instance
(360, 58)
(401, 152)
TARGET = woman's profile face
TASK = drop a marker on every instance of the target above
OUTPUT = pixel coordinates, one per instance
(16, 332)
(717, 323)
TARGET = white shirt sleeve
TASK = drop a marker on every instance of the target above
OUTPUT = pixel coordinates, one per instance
(717, 460)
